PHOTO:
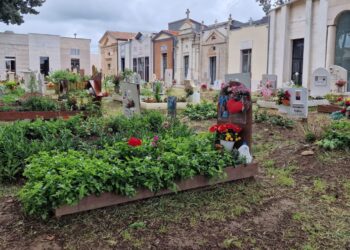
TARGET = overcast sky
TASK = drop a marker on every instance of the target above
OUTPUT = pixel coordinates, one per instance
(91, 18)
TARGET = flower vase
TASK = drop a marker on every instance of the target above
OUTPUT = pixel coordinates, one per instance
(228, 145)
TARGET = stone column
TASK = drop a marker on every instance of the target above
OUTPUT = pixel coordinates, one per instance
(272, 43)
(332, 31)
(307, 44)
(284, 67)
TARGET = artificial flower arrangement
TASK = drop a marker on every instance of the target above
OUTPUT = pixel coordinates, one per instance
(345, 102)
(266, 90)
(345, 111)
(340, 83)
(283, 97)
(227, 134)
(235, 98)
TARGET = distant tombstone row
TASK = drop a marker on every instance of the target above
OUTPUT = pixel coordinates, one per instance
(325, 81)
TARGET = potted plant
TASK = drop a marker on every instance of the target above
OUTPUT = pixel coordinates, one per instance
(227, 134)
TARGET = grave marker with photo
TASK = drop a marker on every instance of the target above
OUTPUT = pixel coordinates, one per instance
(320, 82)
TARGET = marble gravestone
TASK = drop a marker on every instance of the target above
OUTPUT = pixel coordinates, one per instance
(168, 78)
(338, 73)
(244, 78)
(298, 102)
(11, 76)
(130, 98)
(321, 85)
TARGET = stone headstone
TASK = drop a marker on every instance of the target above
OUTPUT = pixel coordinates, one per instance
(26, 79)
(320, 82)
(168, 78)
(130, 98)
(269, 81)
(338, 73)
(244, 78)
(11, 76)
(298, 102)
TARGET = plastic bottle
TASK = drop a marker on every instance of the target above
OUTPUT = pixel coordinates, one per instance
(244, 151)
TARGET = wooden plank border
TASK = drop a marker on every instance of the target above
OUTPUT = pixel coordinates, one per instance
(109, 199)
(32, 115)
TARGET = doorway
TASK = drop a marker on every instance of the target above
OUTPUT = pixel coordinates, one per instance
(297, 61)
(342, 46)
(212, 69)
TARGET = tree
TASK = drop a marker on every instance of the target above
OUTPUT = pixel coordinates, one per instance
(12, 11)
(268, 4)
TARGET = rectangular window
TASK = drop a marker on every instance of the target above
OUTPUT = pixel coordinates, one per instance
(297, 61)
(75, 65)
(134, 65)
(147, 69)
(186, 65)
(74, 52)
(164, 63)
(44, 65)
(141, 67)
(246, 61)
(212, 69)
(123, 64)
(10, 63)
(109, 66)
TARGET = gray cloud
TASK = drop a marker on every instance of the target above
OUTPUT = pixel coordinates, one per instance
(91, 18)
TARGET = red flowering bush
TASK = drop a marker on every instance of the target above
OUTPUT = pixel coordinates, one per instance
(134, 142)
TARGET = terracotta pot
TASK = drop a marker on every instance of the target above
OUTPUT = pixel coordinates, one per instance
(286, 102)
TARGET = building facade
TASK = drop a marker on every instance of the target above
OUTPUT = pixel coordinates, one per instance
(187, 49)
(214, 51)
(247, 50)
(164, 52)
(137, 55)
(109, 50)
(42, 53)
(307, 34)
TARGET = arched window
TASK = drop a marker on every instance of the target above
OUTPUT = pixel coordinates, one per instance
(342, 44)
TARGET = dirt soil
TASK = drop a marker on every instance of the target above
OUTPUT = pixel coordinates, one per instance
(296, 202)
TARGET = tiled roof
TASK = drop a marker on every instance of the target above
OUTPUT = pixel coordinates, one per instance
(171, 32)
(122, 35)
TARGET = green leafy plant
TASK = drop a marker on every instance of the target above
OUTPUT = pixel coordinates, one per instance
(70, 176)
(336, 136)
(276, 120)
(202, 111)
(157, 91)
(40, 103)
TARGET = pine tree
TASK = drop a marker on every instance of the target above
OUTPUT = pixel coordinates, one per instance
(12, 11)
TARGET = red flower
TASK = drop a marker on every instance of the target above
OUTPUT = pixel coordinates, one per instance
(347, 103)
(234, 127)
(340, 99)
(134, 142)
(213, 128)
(222, 128)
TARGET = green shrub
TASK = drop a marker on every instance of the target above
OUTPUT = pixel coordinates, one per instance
(23, 139)
(39, 103)
(336, 136)
(203, 111)
(276, 120)
(56, 179)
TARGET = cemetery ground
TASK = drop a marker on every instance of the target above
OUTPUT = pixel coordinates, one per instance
(296, 202)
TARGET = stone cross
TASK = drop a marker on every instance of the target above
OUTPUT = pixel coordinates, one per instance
(188, 13)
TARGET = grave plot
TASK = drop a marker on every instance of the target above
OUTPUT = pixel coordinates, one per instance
(34, 98)
(152, 157)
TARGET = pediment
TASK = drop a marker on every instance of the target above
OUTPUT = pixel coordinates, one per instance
(107, 40)
(215, 37)
(163, 36)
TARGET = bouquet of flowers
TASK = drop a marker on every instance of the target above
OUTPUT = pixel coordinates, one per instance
(228, 134)
(283, 97)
